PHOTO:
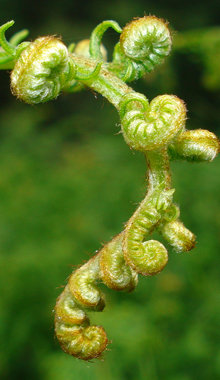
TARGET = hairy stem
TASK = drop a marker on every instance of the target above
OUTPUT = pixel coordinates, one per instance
(148, 257)
(106, 83)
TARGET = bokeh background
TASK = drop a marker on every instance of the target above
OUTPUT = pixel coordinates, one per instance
(68, 182)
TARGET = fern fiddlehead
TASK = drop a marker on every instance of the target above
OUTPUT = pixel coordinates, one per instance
(44, 68)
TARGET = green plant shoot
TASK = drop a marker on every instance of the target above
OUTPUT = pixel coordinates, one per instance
(41, 70)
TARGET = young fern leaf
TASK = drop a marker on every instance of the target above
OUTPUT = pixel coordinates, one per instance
(72, 325)
(146, 41)
(46, 67)
(147, 127)
(41, 71)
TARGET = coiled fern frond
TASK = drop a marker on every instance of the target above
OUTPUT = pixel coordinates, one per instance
(43, 69)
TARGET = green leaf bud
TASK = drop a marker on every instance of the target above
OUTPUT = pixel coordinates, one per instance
(177, 235)
(146, 40)
(197, 145)
(115, 272)
(149, 258)
(147, 127)
(41, 70)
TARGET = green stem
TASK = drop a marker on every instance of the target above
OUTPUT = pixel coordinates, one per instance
(159, 177)
(105, 83)
(149, 257)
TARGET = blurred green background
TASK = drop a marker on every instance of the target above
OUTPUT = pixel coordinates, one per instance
(68, 182)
